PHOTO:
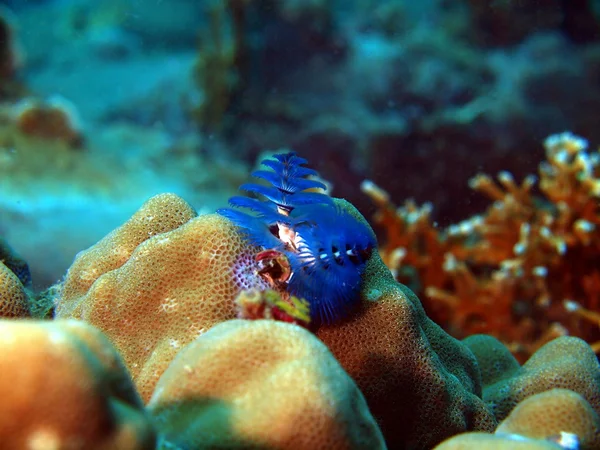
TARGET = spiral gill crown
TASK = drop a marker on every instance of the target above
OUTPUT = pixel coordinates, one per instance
(326, 246)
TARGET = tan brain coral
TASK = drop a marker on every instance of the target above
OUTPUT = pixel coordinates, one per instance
(421, 384)
(13, 297)
(63, 386)
(550, 413)
(495, 361)
(485, 441)
(158, 215)
(566, 362)
(261, 384)
(541, 421)
(556, 391)
(157, 282)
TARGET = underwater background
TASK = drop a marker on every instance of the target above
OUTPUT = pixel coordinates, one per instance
(182, 96)
(466, 133)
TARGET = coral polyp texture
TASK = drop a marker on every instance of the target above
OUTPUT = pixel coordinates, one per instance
(555, 419)
(421, 384)
(553, 413)
(486, 441)
(158, 281)
(15, 263)
(13, 296)
(261, 384)
(325, 246)
(63, 386)
(566, 362)
(553, 398)
(526, 270)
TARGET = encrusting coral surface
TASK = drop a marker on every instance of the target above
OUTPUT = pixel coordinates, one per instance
(163, 286)
(554, 419)
(566, 362)
(261, 384)
(550, 413)
(13, 299)
(157, 282)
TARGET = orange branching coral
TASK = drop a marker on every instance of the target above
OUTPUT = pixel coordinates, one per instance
(526, 270)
